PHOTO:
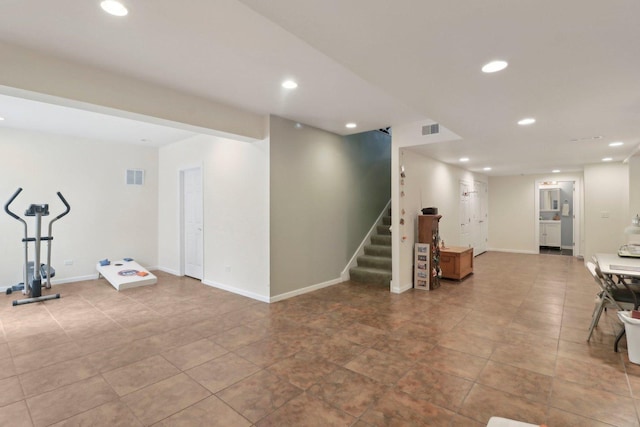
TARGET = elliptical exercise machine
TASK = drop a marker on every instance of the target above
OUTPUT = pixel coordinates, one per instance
(34, 272)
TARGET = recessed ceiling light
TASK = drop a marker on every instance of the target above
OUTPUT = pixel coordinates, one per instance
(1, 119)
(464, 159)
(607, 159)
(494, 66)
(486, 169)
(289, 84)
(616, 144)
(351, 125)
(527, 121)
(114, 8)
(555, 171)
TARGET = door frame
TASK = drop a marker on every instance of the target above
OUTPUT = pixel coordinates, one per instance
(181, 215)
(576, 209)
(464, 205)
(482, 190)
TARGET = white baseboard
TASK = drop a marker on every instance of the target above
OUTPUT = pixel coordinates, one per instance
(56, 282)
(308, 289)
(74, 279)
(237, 291)
(166, 270)
(403, 288)
(515, 251)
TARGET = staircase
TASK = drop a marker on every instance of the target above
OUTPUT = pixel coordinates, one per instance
(375, 265)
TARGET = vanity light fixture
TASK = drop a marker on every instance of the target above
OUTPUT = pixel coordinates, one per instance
(351, 125)
(494, 66)
(607, 159)
(526, 121)
(486, 169)
(555, 171)
(114, 7)
(464, 159)
(586, 138)
(616, 144)
(289, 84)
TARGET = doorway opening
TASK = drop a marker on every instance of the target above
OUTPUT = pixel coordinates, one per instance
(556, 218)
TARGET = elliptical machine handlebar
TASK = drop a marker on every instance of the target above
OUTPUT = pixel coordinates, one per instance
(19, 190)
(65, 203)
(6, 206)
(67, 210)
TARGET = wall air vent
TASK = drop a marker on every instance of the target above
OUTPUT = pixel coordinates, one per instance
(135, 176)
(430, 129)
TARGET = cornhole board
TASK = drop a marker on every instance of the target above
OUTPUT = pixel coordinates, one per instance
(505, 422)
(126, 274)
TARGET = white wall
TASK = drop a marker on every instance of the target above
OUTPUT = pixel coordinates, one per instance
(236, 211)
(634, 186)
(606, 207)
(108, 219)
(514, 215)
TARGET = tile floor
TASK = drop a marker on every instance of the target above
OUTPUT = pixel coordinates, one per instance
(507, 341)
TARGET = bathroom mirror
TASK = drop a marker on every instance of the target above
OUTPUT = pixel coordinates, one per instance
(550, 199)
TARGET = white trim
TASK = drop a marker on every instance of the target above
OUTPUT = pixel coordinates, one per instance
(181, 216)
(402, 289)
(308, 289)
(56, 282)
(360, 251)
(237, 291)
(167, 270)
(515, 251)
(73, 279)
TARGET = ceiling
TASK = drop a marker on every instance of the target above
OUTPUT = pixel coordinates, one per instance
(573, 65)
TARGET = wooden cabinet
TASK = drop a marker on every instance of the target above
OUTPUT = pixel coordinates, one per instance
(456, 262)
(550, 234)
(429, 232)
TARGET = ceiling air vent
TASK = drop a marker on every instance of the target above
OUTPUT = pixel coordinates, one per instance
(430, 129)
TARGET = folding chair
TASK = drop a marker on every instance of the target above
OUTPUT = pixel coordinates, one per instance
(610, 295)
(634, 296)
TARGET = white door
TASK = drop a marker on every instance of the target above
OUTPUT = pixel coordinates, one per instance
(480, 245)
(466, 228)
(192, 222)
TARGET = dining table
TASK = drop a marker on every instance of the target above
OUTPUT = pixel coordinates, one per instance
(626, 269)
